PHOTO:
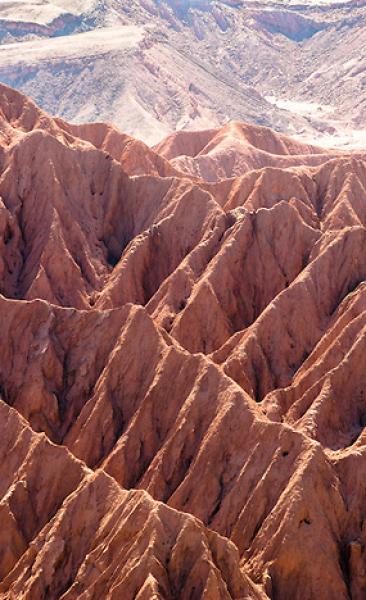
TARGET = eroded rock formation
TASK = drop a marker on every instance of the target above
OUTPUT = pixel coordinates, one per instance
(182, 372)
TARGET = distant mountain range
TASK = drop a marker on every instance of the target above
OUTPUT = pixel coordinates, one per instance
(152, 67)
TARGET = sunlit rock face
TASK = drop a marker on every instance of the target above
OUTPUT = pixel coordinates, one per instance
(182, 366)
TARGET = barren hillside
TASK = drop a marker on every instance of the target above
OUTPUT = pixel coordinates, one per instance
(156, 66)
(182, 364)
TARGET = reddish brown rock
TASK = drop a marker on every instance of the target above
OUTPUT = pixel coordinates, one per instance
(228, 152)
(186, 433)
(19, 115)
(180, 360)
(250, 269)
(68, 532)
(135, 157)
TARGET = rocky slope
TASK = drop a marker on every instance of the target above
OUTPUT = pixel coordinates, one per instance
(70, 532)
(294, 66)
(182, 374)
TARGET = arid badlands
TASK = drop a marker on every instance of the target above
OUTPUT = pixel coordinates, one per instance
(183, 322)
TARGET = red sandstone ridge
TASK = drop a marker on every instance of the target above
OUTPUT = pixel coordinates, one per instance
(135, 157)
(182, 374)
(228, 152)
(19, 115)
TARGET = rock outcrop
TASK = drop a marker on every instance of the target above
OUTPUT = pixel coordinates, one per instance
(70, 532)
(182, 408)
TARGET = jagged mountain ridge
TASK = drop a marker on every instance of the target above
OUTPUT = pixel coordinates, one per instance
(158, 327)
(90, 532)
